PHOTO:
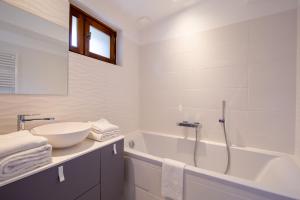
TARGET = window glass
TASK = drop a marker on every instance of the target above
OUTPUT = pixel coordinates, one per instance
(90, 37)
(99, 42)
(74, 41)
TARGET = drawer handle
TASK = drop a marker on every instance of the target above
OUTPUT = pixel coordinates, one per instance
(115, 149)
(61, 175)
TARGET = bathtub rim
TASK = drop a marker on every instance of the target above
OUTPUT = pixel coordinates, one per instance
(242, 148)
(211, 175)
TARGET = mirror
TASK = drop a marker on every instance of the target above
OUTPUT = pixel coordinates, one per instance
(33, 54)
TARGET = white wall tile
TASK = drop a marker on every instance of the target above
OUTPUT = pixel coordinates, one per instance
(274, 130)
(237, 127)
(272, 85)
(221, 77)
(273, 38)
(211, 98)
(250, 64)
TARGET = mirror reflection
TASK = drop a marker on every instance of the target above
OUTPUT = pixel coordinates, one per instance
(33, 54)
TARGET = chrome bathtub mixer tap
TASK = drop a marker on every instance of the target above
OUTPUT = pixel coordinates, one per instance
(195, 125)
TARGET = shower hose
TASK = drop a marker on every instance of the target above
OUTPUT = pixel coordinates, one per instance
(223, 122)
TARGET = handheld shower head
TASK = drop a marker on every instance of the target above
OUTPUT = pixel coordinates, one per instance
(223, 109)
(222, 120)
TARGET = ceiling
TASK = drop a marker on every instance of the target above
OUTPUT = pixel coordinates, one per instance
(148, 11)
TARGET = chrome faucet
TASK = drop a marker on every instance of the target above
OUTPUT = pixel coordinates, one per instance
(22, 119)
(189, 124)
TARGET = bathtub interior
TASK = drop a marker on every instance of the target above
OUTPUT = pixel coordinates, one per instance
(251, 164)
(210, 156)
(282, 170)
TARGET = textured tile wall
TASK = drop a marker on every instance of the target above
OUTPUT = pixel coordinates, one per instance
(96, 89)
(55, 11)
(297, 140)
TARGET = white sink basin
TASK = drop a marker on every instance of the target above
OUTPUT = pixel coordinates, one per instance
(62, 135)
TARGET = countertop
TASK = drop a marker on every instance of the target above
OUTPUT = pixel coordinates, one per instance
(62, 155)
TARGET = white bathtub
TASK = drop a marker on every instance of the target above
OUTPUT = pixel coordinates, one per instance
(254, 175)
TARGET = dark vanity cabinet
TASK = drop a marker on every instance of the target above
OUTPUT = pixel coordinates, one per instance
(97, 175)
(112, 171)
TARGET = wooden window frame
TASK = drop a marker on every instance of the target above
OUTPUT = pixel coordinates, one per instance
(84, 22)
(80, 37)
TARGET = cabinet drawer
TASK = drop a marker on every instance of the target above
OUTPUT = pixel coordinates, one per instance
(93, 194)
(112, 171)
(80, 174)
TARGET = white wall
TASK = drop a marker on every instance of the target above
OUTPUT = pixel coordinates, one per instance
(251, 64)
(55, 11)
(38, 71)
(41, 50)
(207, 15)
(107, 12)
(96, 89)
(297, 139)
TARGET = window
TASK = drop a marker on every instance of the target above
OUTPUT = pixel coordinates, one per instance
(90, 37)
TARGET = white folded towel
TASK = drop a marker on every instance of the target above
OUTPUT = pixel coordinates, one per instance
(103, 126)
(172, 179)
(103, 137)
(19, 141)
(25, 161)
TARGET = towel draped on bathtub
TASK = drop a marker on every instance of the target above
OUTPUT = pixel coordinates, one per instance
(172, 179)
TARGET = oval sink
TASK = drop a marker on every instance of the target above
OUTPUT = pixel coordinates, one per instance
(62, 135)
